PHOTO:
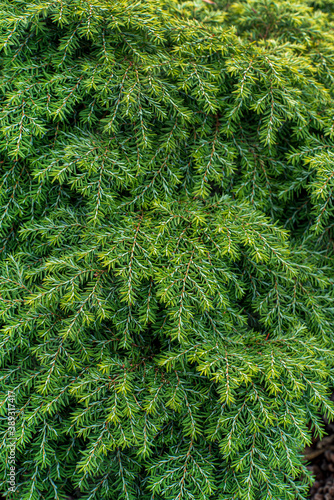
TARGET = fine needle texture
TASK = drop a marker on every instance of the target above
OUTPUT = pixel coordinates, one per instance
(166, 247)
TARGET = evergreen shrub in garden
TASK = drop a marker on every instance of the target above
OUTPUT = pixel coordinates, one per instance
(166, 246)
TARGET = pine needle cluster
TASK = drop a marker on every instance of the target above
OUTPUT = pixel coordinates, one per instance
(166, 246)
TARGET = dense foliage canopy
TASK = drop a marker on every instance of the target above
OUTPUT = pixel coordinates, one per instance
(166, 246)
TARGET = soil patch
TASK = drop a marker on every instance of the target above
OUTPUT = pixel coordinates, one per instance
(321, 456)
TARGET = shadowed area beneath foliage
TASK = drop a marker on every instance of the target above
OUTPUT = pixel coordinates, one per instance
(321, 463)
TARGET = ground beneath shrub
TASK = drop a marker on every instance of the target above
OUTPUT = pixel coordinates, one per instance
(321, 456)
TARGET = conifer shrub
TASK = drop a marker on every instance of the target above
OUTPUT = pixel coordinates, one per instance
(166, 253)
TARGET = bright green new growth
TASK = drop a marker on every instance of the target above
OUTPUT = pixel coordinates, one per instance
(166, 227)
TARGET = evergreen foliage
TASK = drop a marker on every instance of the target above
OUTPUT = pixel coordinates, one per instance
(166, 227)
